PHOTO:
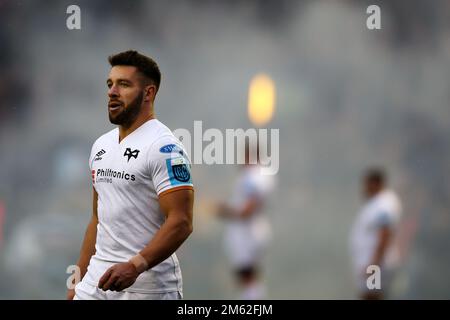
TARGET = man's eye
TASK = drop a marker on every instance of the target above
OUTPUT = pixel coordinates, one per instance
(124, 84)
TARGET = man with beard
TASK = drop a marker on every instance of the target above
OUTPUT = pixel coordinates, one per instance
(142, 195)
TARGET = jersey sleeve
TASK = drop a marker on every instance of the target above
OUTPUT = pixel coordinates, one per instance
(169, 166)
(387, 214)
(259, 186)
(91, 156)
(91, 160)
(384, 219)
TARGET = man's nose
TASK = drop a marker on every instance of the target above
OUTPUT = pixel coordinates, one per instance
(113, 92)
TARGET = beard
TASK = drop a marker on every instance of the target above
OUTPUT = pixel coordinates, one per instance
(128, 114)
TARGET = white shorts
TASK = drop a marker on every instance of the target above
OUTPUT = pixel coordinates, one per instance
(85, 291)
(246, 243)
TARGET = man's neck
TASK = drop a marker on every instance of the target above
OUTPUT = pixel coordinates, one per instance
(375, 194)
(123, 132)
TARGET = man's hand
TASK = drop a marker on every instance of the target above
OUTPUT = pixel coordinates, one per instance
(246, 211)
(70, 294)
(120, 276)
(225, 211)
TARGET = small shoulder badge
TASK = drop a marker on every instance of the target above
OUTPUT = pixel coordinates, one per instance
(180, 169)
(181, 173)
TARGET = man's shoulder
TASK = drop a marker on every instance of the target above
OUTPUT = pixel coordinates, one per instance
(390, 202)
(106, 137)
(163, 139)
(160, 130)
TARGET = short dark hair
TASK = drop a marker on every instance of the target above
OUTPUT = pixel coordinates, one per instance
(376, 175)
(146, 65)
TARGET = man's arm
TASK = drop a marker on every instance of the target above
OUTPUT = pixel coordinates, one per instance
(88, 247)
(253, 204)
(178, 209)
(384, 237)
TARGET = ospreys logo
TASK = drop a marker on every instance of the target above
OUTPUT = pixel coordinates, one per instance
(131, 154)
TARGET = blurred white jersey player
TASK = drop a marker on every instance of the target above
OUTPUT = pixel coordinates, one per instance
(248, 231)
(373, 236)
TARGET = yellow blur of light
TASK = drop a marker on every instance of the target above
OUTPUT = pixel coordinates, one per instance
(261, 99)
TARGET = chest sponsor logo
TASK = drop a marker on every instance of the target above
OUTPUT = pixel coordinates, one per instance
(108, 175)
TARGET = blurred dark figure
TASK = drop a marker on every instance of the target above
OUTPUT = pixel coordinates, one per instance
(372, 240)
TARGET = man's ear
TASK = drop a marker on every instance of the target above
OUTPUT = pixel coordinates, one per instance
(149, 92)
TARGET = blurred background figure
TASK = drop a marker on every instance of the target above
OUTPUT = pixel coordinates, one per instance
(373, 236)
(248, 231)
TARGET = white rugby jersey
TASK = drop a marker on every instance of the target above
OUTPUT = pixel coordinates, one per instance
(383, 209)
(128, 177)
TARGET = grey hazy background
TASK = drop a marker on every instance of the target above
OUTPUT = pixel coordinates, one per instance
(347, 97)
